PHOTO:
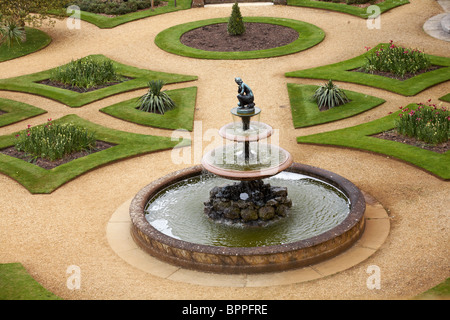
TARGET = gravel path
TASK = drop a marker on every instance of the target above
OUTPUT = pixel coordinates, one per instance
(48, 233)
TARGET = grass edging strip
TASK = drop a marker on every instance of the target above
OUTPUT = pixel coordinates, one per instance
(359, 137)
(309, 36)
(181, 117)
(38, 180)
(305, 112)
(140, 78)
(348, 9)
(17, 111)
(341, 71)
(445, 98)
(36, 40)
(17, 284)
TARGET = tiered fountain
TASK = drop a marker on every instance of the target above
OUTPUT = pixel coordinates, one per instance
(200, 220)
(250, 201)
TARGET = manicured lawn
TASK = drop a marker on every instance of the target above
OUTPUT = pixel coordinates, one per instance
(309, 35)
(140, 79)
(17, 284)
(445, 98)
(359, 137)
(305, 112)
(344, 8)
(342, 71)
(105, 22)
(181, 117)
(17, 111)
(441, 291)
(36, 40)
(39, 180)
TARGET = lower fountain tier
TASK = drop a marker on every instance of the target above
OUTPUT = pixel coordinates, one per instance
(229, 161)
(285, 255)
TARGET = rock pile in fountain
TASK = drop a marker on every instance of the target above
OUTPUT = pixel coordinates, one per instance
(248, 201)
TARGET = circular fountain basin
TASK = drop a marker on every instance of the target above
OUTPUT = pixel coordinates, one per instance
(233, 249)
(228, 161)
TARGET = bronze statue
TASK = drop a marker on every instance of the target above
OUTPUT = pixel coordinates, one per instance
(245, 97)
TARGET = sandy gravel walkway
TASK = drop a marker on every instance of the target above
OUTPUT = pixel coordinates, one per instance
(48, 233)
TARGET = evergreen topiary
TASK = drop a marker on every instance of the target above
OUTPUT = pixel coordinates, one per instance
(235, 23)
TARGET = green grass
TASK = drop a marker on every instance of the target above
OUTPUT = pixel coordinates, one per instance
(344, 8)
(441, 291)
(17, 111)
(309, 35)
(341, 72)
(305, 111)
(182, 117)
(39, 180)
(359, 137)
(104, 22)
(445, 98)
(17, 284)
(36, 40)
(141, 77)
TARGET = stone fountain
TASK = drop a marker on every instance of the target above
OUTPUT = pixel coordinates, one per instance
(251, 200)
(277, 215)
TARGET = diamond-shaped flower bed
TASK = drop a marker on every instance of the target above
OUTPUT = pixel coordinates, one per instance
(39, 180)
(181, 117)
(14, 111)
(305, 111)
(103, 21)
(139, 79)
(345, 71)
(344, 8)
(362, 137)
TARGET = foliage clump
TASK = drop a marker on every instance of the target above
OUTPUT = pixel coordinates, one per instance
(156, 100)
(10, 32)
(53, 141)
(114, 7)
(329, 96)
(86, 73)
(427, 123)
(235, 25)
(397, 60)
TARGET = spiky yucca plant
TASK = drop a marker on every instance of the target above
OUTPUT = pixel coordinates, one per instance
(155, 100)
(10, 32)
(329, 96)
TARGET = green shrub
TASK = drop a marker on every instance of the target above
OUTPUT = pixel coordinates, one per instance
(54, 141)
(113, 7)
(427, 123)
(397, 60)
(155, 100)
(329, 96)
(10, 32)
(86, 73)
(236, 25)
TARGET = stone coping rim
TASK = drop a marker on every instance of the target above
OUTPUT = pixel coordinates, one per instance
(357, 209)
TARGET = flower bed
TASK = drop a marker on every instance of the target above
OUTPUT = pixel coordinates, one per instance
(396, 60)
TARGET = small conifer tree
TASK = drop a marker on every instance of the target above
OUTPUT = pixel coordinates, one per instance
(235, 23)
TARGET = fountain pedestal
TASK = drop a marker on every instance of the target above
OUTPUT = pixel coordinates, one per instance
(251, 201)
